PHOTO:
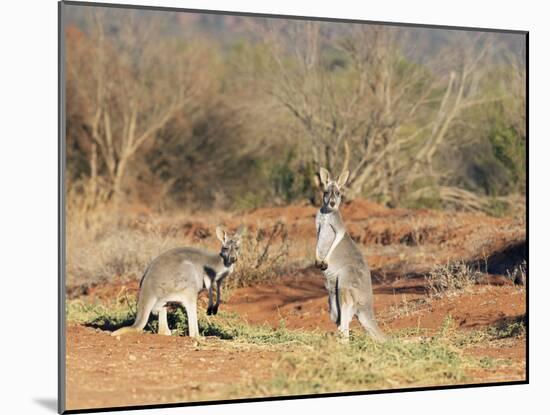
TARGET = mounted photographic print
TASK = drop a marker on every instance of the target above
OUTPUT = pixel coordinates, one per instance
(257, 207)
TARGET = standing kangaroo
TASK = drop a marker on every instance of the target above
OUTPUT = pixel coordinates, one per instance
(347, 274)
(178, 276)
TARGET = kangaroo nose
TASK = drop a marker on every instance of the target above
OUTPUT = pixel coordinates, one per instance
(332, 204)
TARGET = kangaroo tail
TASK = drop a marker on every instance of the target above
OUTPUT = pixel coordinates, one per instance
(144, 307)
(125, 330)
(368, 321)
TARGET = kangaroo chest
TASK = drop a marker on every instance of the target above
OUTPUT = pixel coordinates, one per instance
(331, 276)
(329, 233)
(221, 275)
(212, 275)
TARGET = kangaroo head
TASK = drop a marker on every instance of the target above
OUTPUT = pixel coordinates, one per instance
(230, 245)
(332, 189)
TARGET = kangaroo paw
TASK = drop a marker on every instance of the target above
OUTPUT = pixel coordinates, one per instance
(343, 337)
(209, 310)
(215, 309)
(322, 265)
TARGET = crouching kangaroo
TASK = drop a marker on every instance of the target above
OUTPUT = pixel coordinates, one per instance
(347, 274)
(178, 276)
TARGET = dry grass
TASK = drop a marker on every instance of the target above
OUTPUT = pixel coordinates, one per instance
(264, 254)
(112, 248)
(518, 274)
(104, 243)
(406, 308)
(452, 279)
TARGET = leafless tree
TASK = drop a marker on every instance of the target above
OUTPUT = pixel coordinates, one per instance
(364, 104)
(381, 104)
(462, 67)
(130, 82)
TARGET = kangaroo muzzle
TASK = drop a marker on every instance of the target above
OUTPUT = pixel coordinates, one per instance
(228, 259)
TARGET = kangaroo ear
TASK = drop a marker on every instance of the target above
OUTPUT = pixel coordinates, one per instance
(220, 233)
(324, 175)
(317, 180)
(343, 178)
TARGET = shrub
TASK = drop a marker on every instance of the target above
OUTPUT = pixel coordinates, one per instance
(451, 279)
(263, 256)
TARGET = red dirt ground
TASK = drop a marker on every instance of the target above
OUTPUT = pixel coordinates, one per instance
(301, 301)
(400, 245)
(148, 368)
(105, 371)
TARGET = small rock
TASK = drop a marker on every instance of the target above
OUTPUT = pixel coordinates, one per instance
(132, 357)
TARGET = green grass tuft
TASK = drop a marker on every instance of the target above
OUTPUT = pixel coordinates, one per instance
(363, 364)
(319, 362)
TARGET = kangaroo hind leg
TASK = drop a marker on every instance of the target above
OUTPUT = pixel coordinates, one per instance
(333, 307)
(163, 322)
(189, 301)
(346, 313)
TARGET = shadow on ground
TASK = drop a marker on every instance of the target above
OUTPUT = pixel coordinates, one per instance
(48, 403)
